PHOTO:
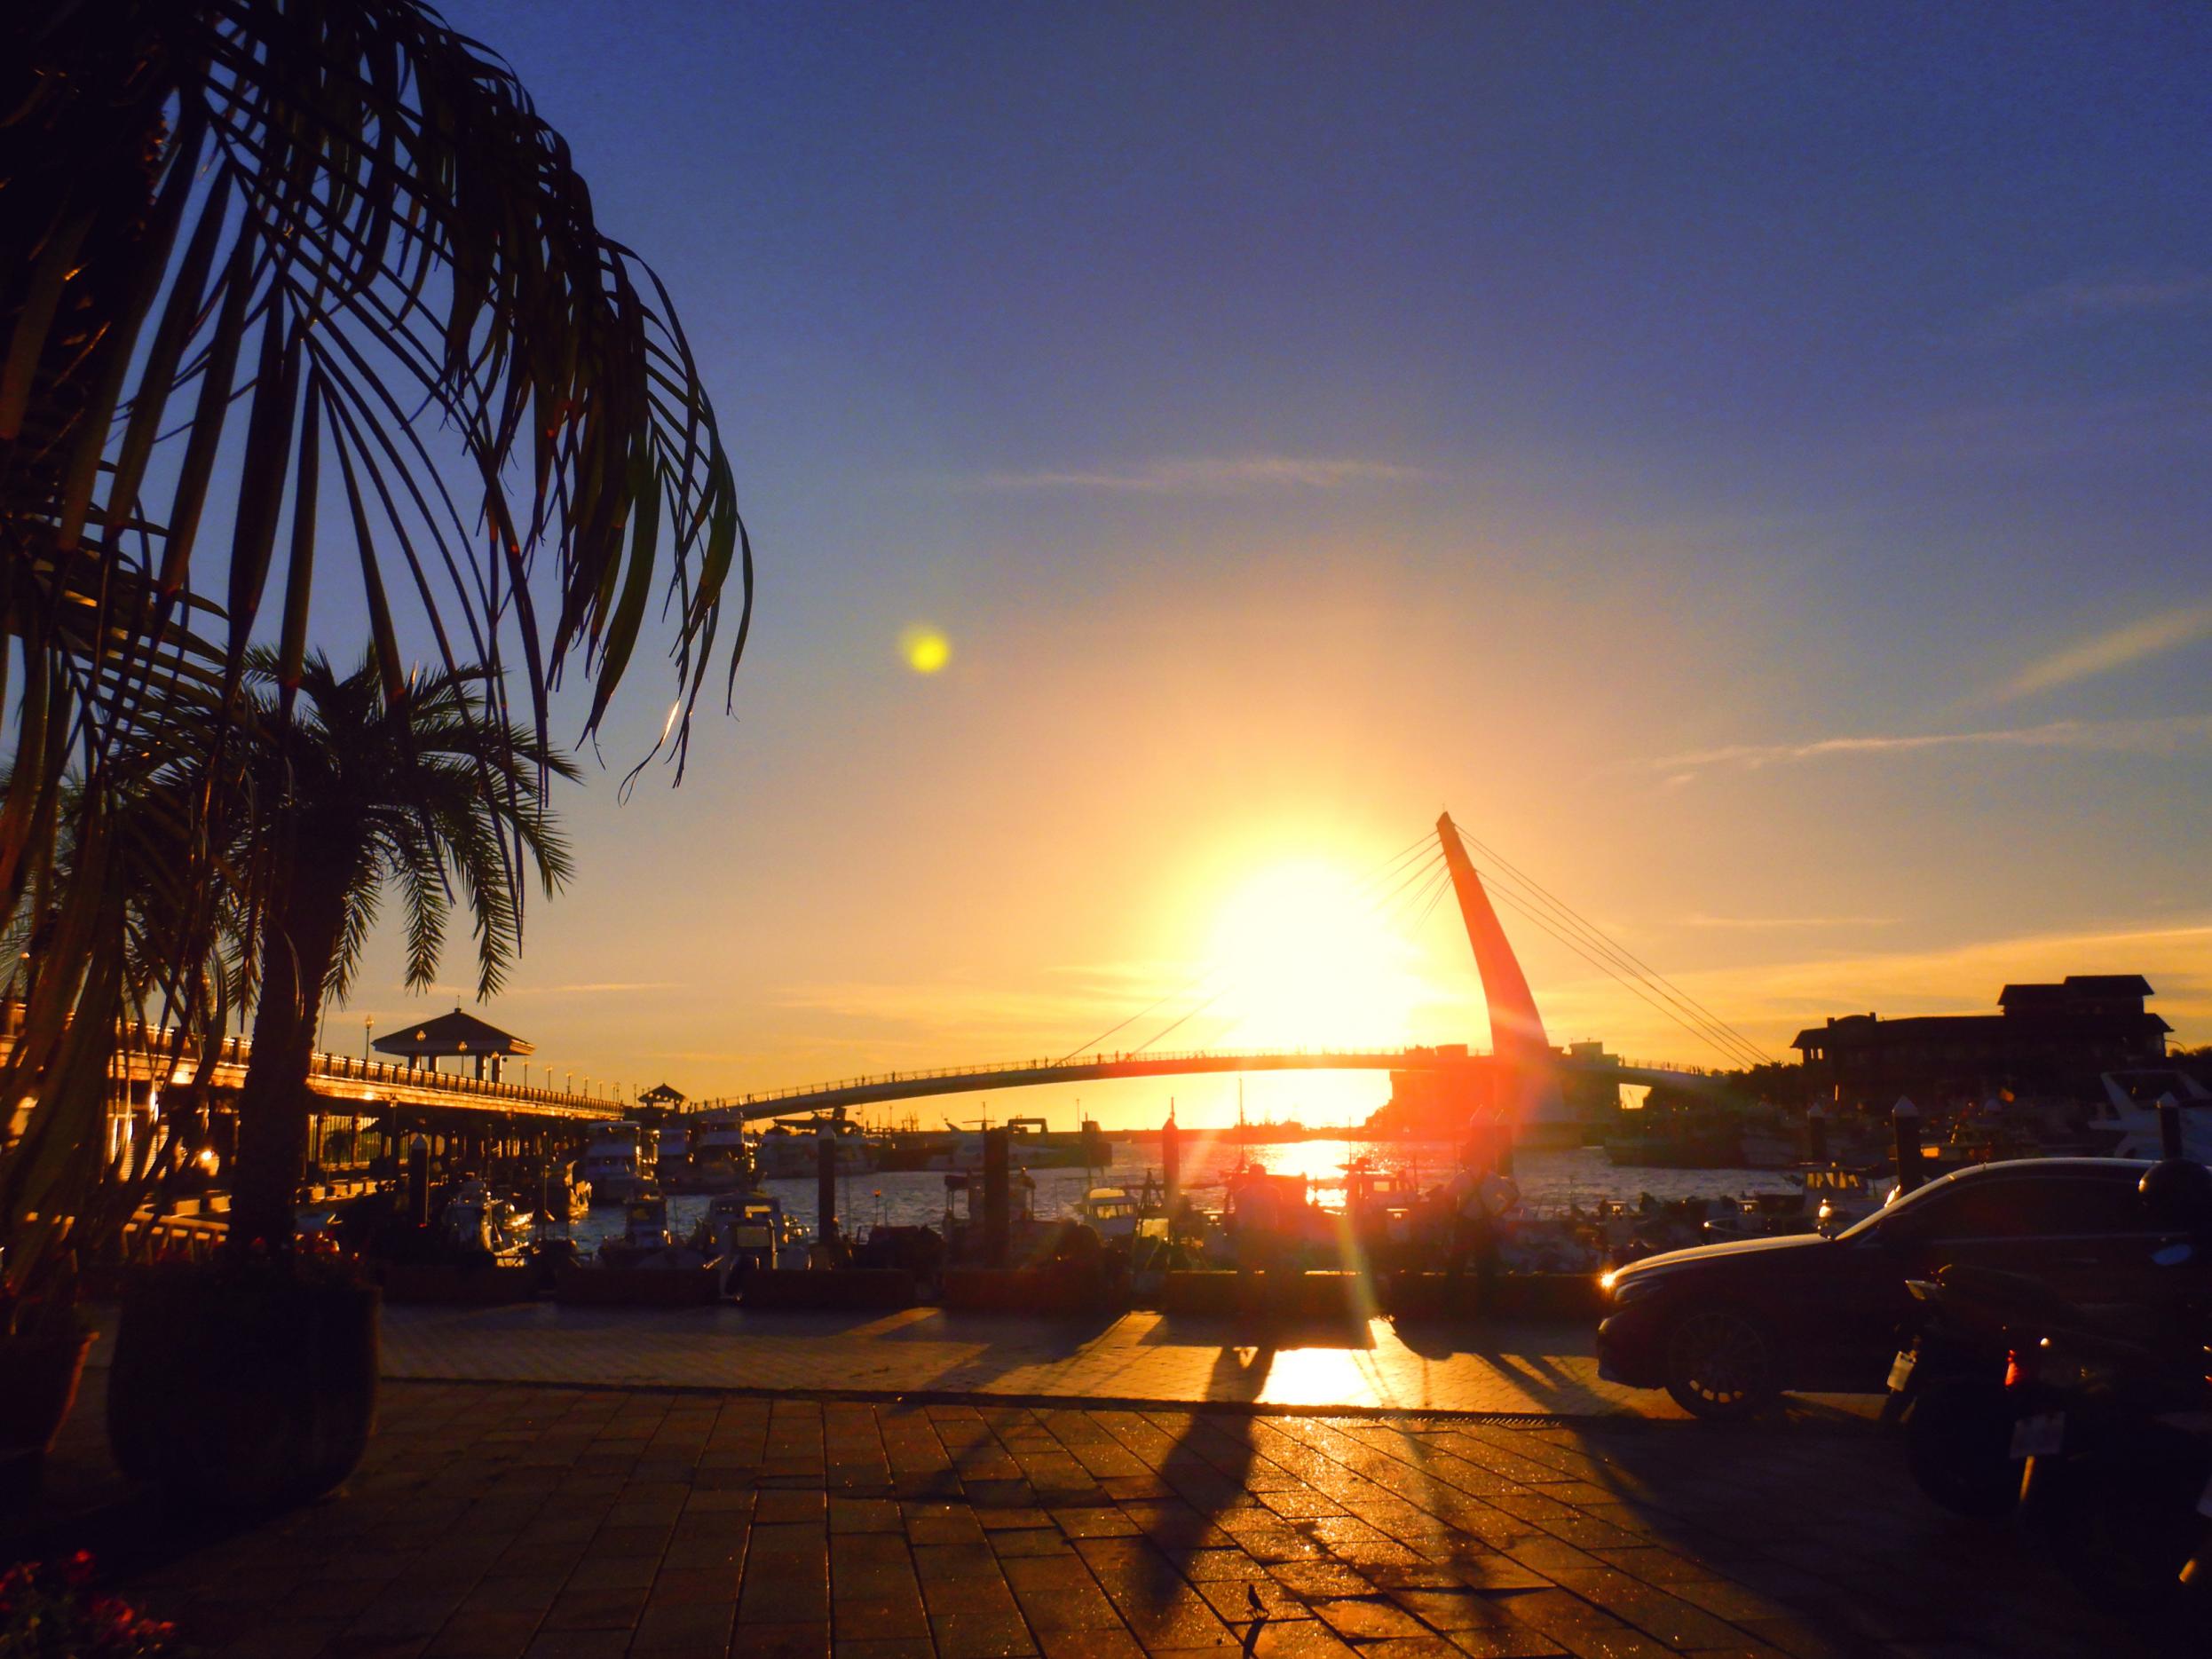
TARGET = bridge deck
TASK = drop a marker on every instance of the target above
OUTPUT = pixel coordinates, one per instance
(364, 1086)
(896, 1085)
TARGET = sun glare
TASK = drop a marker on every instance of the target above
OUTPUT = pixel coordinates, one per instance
(925, 649)
(1304, 960)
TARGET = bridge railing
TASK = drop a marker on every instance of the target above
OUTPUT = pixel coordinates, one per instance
(1088, 1060)
(155, 1043)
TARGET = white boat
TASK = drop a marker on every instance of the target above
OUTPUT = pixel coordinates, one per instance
(722, 1158)
(791, 1148)
(620, 1164)
(748, 1230)
(2128, 1112)
(476, 1219)
(1111, 1212)
(1027, 1147)
(646, 1244)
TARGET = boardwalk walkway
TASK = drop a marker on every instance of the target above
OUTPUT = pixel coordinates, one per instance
(537, 1513)
(1366, 1365)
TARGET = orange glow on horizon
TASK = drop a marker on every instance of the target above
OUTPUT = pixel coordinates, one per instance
(1304, 960)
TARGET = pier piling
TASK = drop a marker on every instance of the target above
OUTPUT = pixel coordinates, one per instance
(2168, 1127)
(1905, 1118)
(998, 1222)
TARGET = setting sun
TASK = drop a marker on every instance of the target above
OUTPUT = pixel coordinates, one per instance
(1304, 960)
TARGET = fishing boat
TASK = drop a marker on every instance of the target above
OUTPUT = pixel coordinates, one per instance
(1112, 1213)
(476, 1219)
(646, 1243)
(748, 1230)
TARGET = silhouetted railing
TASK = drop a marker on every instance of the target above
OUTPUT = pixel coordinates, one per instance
(1084, 1067)
(154, 1043)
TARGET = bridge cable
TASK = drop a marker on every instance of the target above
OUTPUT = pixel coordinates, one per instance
(1193, 1014)
(1631, 984)
(1385, 904)
(1436, 892)
(1713, 1027)
(1713, 1031)
(1613, 945)
(1375, 878)
(1134, 1018)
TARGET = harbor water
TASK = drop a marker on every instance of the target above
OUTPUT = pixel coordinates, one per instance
(1549, 1181)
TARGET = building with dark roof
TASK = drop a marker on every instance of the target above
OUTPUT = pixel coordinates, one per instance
(2049, 1038)
(457, 1036)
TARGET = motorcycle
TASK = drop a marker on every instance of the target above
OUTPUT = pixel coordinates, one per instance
(2113, 1434)
(1950, 1388)
(2095, 1425)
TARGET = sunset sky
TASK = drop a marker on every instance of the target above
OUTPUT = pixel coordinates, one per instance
(1746, 461)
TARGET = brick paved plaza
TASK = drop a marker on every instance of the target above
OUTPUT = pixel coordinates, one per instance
(1366, 1364)
(547, 1519)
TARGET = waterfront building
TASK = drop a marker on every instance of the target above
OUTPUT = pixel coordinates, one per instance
(2047, 1039)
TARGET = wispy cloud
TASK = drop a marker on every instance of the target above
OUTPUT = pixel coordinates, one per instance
(2151, 736)
(2087, 298)
(2115, 648)
(1209, 476)
(1761, 922)
(1773, 1000)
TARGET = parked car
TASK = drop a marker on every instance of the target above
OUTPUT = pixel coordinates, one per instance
(1725, 1328)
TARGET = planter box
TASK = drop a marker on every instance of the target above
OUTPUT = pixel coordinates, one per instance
(1033, 1292)
(641, 1287)
(843, 1290)
(1268, 1295)
(38, 1386)
(457, 1286)
(1565, 1298)
(245, 1392)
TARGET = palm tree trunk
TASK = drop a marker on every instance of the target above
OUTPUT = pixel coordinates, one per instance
(272, 1106)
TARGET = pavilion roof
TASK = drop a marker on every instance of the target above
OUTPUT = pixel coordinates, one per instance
(454, 1033)
(662, 1094)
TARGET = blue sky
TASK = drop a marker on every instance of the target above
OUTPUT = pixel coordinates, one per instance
(1744, 460)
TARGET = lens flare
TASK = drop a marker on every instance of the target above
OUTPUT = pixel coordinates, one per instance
(925, 649)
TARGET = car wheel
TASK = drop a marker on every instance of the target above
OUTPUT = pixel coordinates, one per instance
(1720, 1364)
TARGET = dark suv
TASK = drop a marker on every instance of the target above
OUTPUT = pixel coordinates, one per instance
(1723, 1328)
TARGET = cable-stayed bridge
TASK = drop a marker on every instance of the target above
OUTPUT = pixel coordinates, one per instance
(1525, 1070)
(900, 1085)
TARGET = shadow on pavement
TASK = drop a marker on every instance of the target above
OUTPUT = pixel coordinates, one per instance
(1813, 1510)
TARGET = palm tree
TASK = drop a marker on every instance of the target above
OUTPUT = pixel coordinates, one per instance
(299, 253)
(356, 792)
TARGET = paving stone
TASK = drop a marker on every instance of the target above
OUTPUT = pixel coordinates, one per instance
(571, 1522)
